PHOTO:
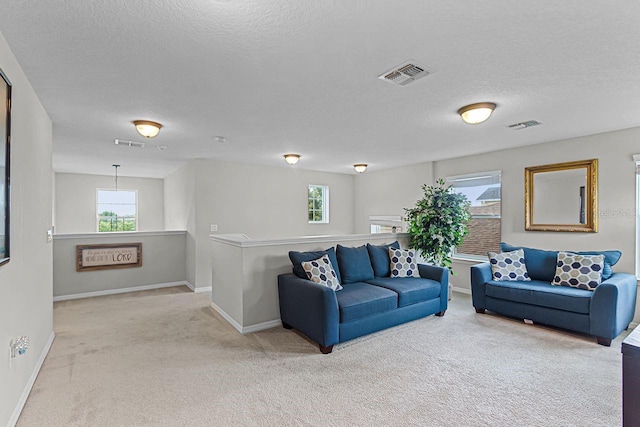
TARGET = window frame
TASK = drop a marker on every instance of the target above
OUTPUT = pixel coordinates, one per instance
(98, 213)
(470, 176)
(324, 203)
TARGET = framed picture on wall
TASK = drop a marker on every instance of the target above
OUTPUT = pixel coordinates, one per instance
(5, 176)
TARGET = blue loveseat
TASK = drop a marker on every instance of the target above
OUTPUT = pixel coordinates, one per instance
(604, 312)
(370, 300)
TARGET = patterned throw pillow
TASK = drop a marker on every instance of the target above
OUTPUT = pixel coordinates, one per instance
(321, 271)
(403, 263)
(579, 271)
(508, 266)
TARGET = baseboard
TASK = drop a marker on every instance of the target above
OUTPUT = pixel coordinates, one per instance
(461, 290)
(226, 317)
(190, 286)
(119, 291)
(248, 329)
(32, 379)
(202, 289)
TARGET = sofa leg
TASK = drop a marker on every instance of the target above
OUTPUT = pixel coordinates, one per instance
(440, 314)
(480, 310)
(286, 325)
(326, 350)
(604, 341)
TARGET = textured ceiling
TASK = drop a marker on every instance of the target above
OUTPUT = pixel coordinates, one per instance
(301, 76)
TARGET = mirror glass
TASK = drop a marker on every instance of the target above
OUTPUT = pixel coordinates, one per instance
(561, 197)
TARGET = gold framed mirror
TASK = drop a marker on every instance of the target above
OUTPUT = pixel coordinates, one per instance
(562, 197)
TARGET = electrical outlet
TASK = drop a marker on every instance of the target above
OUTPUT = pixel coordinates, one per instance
(214, 228)
(49, 236)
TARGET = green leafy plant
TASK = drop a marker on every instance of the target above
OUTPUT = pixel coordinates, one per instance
(438, 223)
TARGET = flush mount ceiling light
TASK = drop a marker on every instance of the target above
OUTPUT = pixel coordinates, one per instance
(476, 113)
(360, 167)
(292, 159)
(147, 128)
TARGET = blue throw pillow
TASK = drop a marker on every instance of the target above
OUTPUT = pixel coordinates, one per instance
(379, 256)
(297, 258)
(542, 264)
(355, 265)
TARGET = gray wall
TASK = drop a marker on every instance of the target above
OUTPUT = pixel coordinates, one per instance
(389, 192)
(75, 201)
(163, 261)
(26, 281)
(616, 190)
(260, 201)
(180, 212)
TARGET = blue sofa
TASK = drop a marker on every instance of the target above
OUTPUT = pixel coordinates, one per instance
(369, 301)
(604, 312)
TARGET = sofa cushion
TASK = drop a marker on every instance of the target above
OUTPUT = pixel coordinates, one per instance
(543, 294)
(508, 266)
(354, 263)
(358, 300)
(297, 258)
(403, 263)
(542, 264)
(410, 290)
(379, 256)
(321, 272)
(579, 271)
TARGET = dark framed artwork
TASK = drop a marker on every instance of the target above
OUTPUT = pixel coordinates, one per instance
(5, 175)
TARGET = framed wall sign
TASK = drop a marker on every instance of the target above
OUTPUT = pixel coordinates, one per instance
(5, 174)
(108, 256)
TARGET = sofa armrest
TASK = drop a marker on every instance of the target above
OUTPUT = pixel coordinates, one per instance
(310, 308)
(439, 274)
(480, 275)
(613, 305)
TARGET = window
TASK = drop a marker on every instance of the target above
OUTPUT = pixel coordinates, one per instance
(318, 204)
(483, 191)
(117, 210)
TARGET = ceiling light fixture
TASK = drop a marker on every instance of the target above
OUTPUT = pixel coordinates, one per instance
(360, 167)
(292, 159)
(476, 113)
(147, 128)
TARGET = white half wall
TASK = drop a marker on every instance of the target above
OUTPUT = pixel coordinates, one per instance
(26, 281)
(163, 261)
(75, 201)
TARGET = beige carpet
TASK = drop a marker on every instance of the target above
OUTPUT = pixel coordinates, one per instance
(164, 358)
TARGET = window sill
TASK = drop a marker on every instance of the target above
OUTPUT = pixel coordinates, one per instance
(469, 258)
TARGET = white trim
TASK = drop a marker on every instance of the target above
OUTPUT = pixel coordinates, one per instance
(119, 291)
(126, 234)
(470, 259)
(261, 326)
(202, 289)
(221, 238)
(461, 290)
(32, 379)
(226, 317)
(190, 286)
(247, 329)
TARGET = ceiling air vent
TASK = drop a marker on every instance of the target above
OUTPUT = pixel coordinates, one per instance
(524, 125)
(132, 144)
(404, 74)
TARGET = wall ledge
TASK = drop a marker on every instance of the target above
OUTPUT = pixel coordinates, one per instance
(233, 240)
(126, 234)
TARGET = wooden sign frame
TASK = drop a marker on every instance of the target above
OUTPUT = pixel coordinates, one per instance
(109, 256)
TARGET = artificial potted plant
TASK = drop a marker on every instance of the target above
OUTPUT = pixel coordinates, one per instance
(438, 223)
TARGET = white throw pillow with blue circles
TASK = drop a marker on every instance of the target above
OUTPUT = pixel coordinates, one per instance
(403, 263)
(321, 271)
(508, 266)
(579, 271)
